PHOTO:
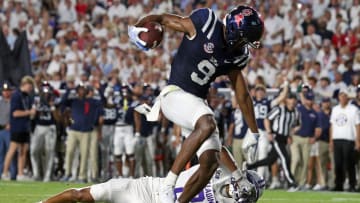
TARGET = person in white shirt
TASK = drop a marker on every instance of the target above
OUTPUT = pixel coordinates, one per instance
(54, 65)
(324, 89)
(355, 14)
(135, 9)
(67, 12)
(344, 140)
(312, 38)
(274, 28)
(17, 16)
(117, 9)
(74, 60)
(319, 7)
(326, 55)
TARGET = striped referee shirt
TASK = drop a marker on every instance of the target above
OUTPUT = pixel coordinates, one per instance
(282, 120)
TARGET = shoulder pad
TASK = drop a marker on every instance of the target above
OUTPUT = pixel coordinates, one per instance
(204, 20)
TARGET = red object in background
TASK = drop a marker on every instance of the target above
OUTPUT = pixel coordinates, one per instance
(86, 108)
(352, 41)
(338, 40)
(81, 8)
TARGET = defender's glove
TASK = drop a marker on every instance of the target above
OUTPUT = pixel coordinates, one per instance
(133, 33)
(249, 146)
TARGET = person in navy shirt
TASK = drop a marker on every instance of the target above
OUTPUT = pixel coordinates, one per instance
(209, 48)
(324, 138)
(21, 111)
(84, 113)
(304, 137)
(262, 107)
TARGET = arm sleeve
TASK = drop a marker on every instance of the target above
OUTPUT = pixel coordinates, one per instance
(204, 21)
(273, 113)
(242, 57)
(15, 103)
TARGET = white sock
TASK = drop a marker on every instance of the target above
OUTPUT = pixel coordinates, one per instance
(171, 178)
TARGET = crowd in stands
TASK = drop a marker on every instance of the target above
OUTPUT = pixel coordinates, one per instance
(81, 47)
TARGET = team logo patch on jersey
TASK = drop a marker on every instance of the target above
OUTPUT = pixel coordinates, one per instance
(209, 47)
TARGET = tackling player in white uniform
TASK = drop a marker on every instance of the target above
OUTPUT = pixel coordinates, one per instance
(221, 188)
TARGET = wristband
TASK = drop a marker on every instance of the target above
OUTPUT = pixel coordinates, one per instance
(137, 134)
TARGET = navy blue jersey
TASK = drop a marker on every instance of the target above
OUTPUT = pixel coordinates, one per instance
(261, 109)
(146, 127)
(110, 115)
(125, 111)
(325, 126)
(44, 114)
(240, 127)
(204, 57)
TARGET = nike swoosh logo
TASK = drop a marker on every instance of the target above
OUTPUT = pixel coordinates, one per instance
(227, 61)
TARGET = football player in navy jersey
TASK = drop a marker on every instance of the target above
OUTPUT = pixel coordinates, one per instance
(44, 136)
(124, 140)
(210, 48)
(262, 107)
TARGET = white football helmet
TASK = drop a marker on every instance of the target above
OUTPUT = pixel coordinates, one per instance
(243, 192)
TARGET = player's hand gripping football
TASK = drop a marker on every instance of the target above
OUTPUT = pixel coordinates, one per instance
(133, 33)
(250, 146)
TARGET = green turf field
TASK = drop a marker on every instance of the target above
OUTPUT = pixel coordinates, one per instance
(30, 192)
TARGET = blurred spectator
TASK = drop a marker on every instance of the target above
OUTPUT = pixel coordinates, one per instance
(236, 133)
(66, 11)
(43, 140)
(304, 137)
(6, 92)
(145, 145)
(274, 28)
(344, 140)
(325, 155)
(124, 140)
(96, 134)
(83, 116)
(21, 110)
(262, 107)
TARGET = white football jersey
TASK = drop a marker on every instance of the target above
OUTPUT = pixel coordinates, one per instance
(146, 189)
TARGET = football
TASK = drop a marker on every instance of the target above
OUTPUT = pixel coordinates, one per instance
(154, 36)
